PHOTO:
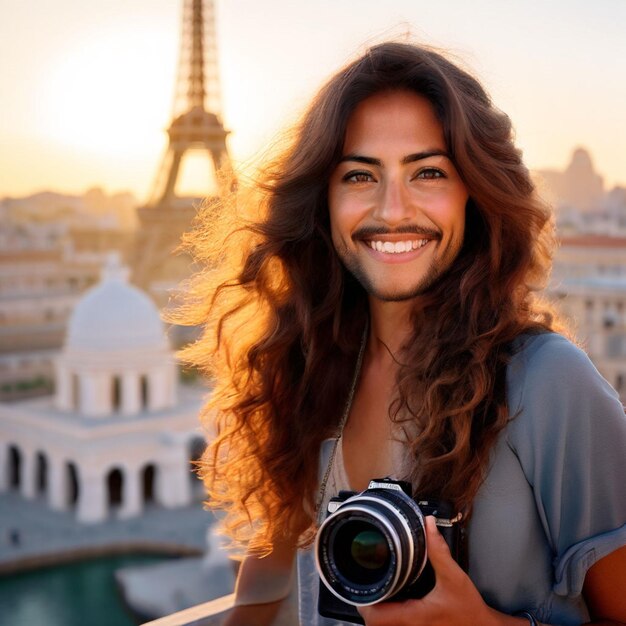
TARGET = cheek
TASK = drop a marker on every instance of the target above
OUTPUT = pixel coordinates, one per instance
(340, 221)
(452, 214)
(449, 219)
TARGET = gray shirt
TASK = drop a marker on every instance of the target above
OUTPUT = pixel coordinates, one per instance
(554, 499)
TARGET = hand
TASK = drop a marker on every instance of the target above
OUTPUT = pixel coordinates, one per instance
(453, 601)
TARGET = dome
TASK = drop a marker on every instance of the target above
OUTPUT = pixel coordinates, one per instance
(114, 316)
(581, 162)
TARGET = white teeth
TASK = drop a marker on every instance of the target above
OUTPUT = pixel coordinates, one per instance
(397, 247)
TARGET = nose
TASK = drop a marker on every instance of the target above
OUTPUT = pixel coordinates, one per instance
(393, 206)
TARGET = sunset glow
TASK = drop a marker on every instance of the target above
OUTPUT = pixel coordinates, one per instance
(100, 99)
(87, 95)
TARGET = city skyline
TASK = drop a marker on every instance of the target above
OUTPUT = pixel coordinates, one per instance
(90, 93)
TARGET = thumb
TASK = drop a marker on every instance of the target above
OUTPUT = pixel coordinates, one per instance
(438, 550)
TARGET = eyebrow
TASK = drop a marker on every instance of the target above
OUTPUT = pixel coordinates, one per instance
(410, 158)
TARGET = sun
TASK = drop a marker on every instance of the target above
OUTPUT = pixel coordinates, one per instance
(111, 94)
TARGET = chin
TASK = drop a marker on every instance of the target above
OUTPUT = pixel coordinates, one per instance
(386, 290)
(394, 293)
(399, 295)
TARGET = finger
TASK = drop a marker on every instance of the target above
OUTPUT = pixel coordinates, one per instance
(368, 614)
(438, 550)
(364, 612)
(396, 613)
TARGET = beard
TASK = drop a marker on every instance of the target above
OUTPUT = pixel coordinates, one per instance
(390, 293)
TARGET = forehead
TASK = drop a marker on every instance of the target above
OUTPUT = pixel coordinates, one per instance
(404, 118)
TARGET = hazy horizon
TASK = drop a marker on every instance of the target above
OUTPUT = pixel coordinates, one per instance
(88, 94)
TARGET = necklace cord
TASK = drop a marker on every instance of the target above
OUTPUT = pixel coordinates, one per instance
(342, 423)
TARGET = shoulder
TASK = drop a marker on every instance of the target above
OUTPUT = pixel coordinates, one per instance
(556, 397)
(546, 368)
(544, 352)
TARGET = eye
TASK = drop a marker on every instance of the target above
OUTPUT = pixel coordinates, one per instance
(359, 176)
(430, 173)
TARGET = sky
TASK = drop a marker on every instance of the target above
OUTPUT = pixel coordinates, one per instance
(86, 88)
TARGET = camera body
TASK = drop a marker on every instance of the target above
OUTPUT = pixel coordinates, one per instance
(371, 548)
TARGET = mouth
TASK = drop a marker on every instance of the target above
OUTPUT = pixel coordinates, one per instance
(396, 247)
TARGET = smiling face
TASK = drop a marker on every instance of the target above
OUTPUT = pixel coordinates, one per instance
(397, 203)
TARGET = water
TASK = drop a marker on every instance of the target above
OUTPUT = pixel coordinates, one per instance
(75, 594)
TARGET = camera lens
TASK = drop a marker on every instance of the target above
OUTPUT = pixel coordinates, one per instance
(361, 553)
(371, 546)
(369, 550)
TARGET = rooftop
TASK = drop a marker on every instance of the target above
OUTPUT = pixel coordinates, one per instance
(593, 241)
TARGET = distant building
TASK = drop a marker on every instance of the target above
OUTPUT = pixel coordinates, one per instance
(589, 255)
(119, 432)
(589, 287)
(589, 275)
(579, 187)
(93, 208)
(582, 204)
(52, 248)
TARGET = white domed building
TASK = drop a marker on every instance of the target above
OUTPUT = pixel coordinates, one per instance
(116, 359)
(120, 431)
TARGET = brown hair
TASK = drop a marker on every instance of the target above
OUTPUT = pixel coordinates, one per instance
(283, 319)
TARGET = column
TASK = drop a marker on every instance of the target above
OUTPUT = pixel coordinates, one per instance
(132, 504)
(96, 394)
(156, 382)
(174, 487)
(63, 398)
(131, 394)
(57, 485)
(87, 394)
(172, 384)
(4, 467)
(162, 385)
(28, 475)
(92, 496)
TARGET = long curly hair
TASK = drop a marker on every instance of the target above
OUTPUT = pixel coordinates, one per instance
(283, 319)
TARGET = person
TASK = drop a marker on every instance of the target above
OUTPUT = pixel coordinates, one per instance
(376, 313)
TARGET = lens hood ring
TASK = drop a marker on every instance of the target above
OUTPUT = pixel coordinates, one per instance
(391, 534)
(380, 498)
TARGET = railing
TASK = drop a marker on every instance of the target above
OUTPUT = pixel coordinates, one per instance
(214, 612)
(207, 614)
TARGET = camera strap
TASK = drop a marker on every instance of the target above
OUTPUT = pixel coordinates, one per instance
(344, 418)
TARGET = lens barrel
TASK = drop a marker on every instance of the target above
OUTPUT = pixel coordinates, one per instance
(371, 547)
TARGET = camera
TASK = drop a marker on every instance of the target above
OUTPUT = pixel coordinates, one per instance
(371, 547)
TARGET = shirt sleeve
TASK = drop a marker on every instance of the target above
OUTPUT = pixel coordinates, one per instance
(569, 433)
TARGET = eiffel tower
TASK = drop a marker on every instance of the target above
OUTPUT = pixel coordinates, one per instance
(196, 128)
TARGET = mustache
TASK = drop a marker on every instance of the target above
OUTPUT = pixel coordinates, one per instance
(366, 232)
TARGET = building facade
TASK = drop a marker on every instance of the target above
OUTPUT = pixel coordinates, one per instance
(45, 267)
(589, 288)
(120, 432)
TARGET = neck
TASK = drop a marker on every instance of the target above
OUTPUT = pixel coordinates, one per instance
(390, 327)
